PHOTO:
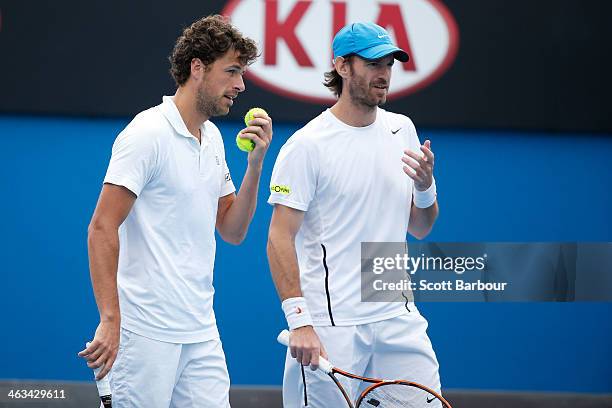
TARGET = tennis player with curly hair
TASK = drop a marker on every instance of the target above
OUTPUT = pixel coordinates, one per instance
(152, 236)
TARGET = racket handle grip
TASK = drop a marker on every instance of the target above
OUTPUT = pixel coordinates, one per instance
(283, 338)
(324, 365)
(103, 385)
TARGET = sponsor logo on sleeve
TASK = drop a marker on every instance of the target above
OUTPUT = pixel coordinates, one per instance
(277, 188)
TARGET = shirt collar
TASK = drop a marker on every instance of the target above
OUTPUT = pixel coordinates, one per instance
(171, 112)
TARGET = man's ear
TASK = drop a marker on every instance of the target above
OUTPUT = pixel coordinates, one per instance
(197, 69)
(343, 66)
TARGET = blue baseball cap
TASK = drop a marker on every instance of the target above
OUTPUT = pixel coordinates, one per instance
(368, 40)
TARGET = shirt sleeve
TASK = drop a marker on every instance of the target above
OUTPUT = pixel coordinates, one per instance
(227, 185)
(133, 161)
(294, 178)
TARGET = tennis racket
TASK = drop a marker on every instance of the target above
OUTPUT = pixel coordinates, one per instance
(381, 393)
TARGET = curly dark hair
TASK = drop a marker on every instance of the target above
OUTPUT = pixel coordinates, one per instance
(333, 80)
(208, 39)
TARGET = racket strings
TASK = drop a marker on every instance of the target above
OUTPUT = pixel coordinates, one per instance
(342, 390)
(397, 396)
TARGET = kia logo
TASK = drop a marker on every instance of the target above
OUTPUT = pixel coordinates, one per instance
(295, 39)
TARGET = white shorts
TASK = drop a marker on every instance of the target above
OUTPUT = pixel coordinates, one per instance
(155, 374)
(396, 348)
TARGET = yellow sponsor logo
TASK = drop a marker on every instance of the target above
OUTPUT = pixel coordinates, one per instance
(277, 188)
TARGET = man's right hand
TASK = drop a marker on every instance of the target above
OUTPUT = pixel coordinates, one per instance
(306, 347)
(102, 350)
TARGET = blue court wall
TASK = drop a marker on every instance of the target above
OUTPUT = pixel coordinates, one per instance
(493, 186)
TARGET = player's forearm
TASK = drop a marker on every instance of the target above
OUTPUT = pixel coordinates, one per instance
(422, 220)
(238, 217)
(284, 264)
(103, 247)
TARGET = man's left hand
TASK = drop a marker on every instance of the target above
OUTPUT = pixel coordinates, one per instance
(419, 167)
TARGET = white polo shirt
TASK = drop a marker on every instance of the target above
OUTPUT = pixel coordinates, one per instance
(350, 182)
(167, 241)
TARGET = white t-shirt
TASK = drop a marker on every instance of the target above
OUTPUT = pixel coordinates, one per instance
(350, 182)
(167, 241)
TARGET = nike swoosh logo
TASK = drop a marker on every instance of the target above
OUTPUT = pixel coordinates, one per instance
(383, 36)
(430, 400)
(396, 130)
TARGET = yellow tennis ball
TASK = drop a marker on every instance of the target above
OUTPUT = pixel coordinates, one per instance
(249, 115)
(244, 144)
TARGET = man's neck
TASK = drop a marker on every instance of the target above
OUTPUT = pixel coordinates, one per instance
(184, 99)
(352, 114)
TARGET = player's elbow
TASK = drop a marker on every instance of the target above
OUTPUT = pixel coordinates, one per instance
(273, 239)
(234, 238)
(279, 240)
(269, 245)
(231, 233)
(102, 234)
(99, 227)
(420, 233)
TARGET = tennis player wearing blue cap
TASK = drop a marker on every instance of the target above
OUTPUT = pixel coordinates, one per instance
(355, 173)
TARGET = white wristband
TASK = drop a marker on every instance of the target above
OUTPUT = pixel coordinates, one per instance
(296, 312)
(425, 199)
